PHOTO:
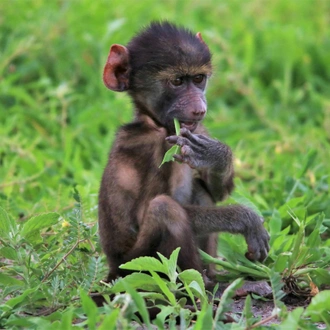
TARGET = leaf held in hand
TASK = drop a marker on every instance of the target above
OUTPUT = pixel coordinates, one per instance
(177, 126)
(168, 157)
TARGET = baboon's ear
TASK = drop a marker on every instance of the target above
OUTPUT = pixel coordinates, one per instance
(199, 36)
(116, 70)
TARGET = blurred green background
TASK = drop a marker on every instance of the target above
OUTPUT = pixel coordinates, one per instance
(269, 96)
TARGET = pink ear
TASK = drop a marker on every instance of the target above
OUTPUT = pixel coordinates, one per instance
(116, 70)
(199, 36)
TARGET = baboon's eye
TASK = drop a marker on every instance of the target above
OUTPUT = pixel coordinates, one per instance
(198, 78)
(177, 81)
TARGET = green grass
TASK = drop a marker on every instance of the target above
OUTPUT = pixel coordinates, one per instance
(269, 99)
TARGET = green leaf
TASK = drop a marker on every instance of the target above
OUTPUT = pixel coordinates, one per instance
(253, 270)
(145, 264)
(172, 265)
(8, 280)
(6, 224)
(153, 295)
(168, 157)
(320, 276)
(177, 126)
(135, 280)
(226, 297)
(11, 303)
(194, 280)
(163, 286)
(292, 319)
(32, 226)
(165, 311)
(163, 259)
(110, 321)
(275, 223)
(40, 323)
(319, 308)
(8, 252)
(198, 290)
(205, 318)
(90, 309)
(185, 316)
(140, 304)
(281, 262)
(276, 284)
(291, 203)
(76, 195)
(67, 319)
(314, 239)
(247, 315)
(310, 158)
(298, 245)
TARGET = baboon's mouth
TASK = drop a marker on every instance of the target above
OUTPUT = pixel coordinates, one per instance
(191, 125)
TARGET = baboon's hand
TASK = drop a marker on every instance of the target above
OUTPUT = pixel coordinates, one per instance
(200, 151)
(257, 238)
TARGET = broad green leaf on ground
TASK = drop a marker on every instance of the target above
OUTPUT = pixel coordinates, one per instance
(31, 228)
(292, 320)
(163, 314)
(145, 264)
(319, 308)
(136, 281)
(164, 288)
(194, 280)
(320, 276)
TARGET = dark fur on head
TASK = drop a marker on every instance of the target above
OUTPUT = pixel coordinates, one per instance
(163, 45)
